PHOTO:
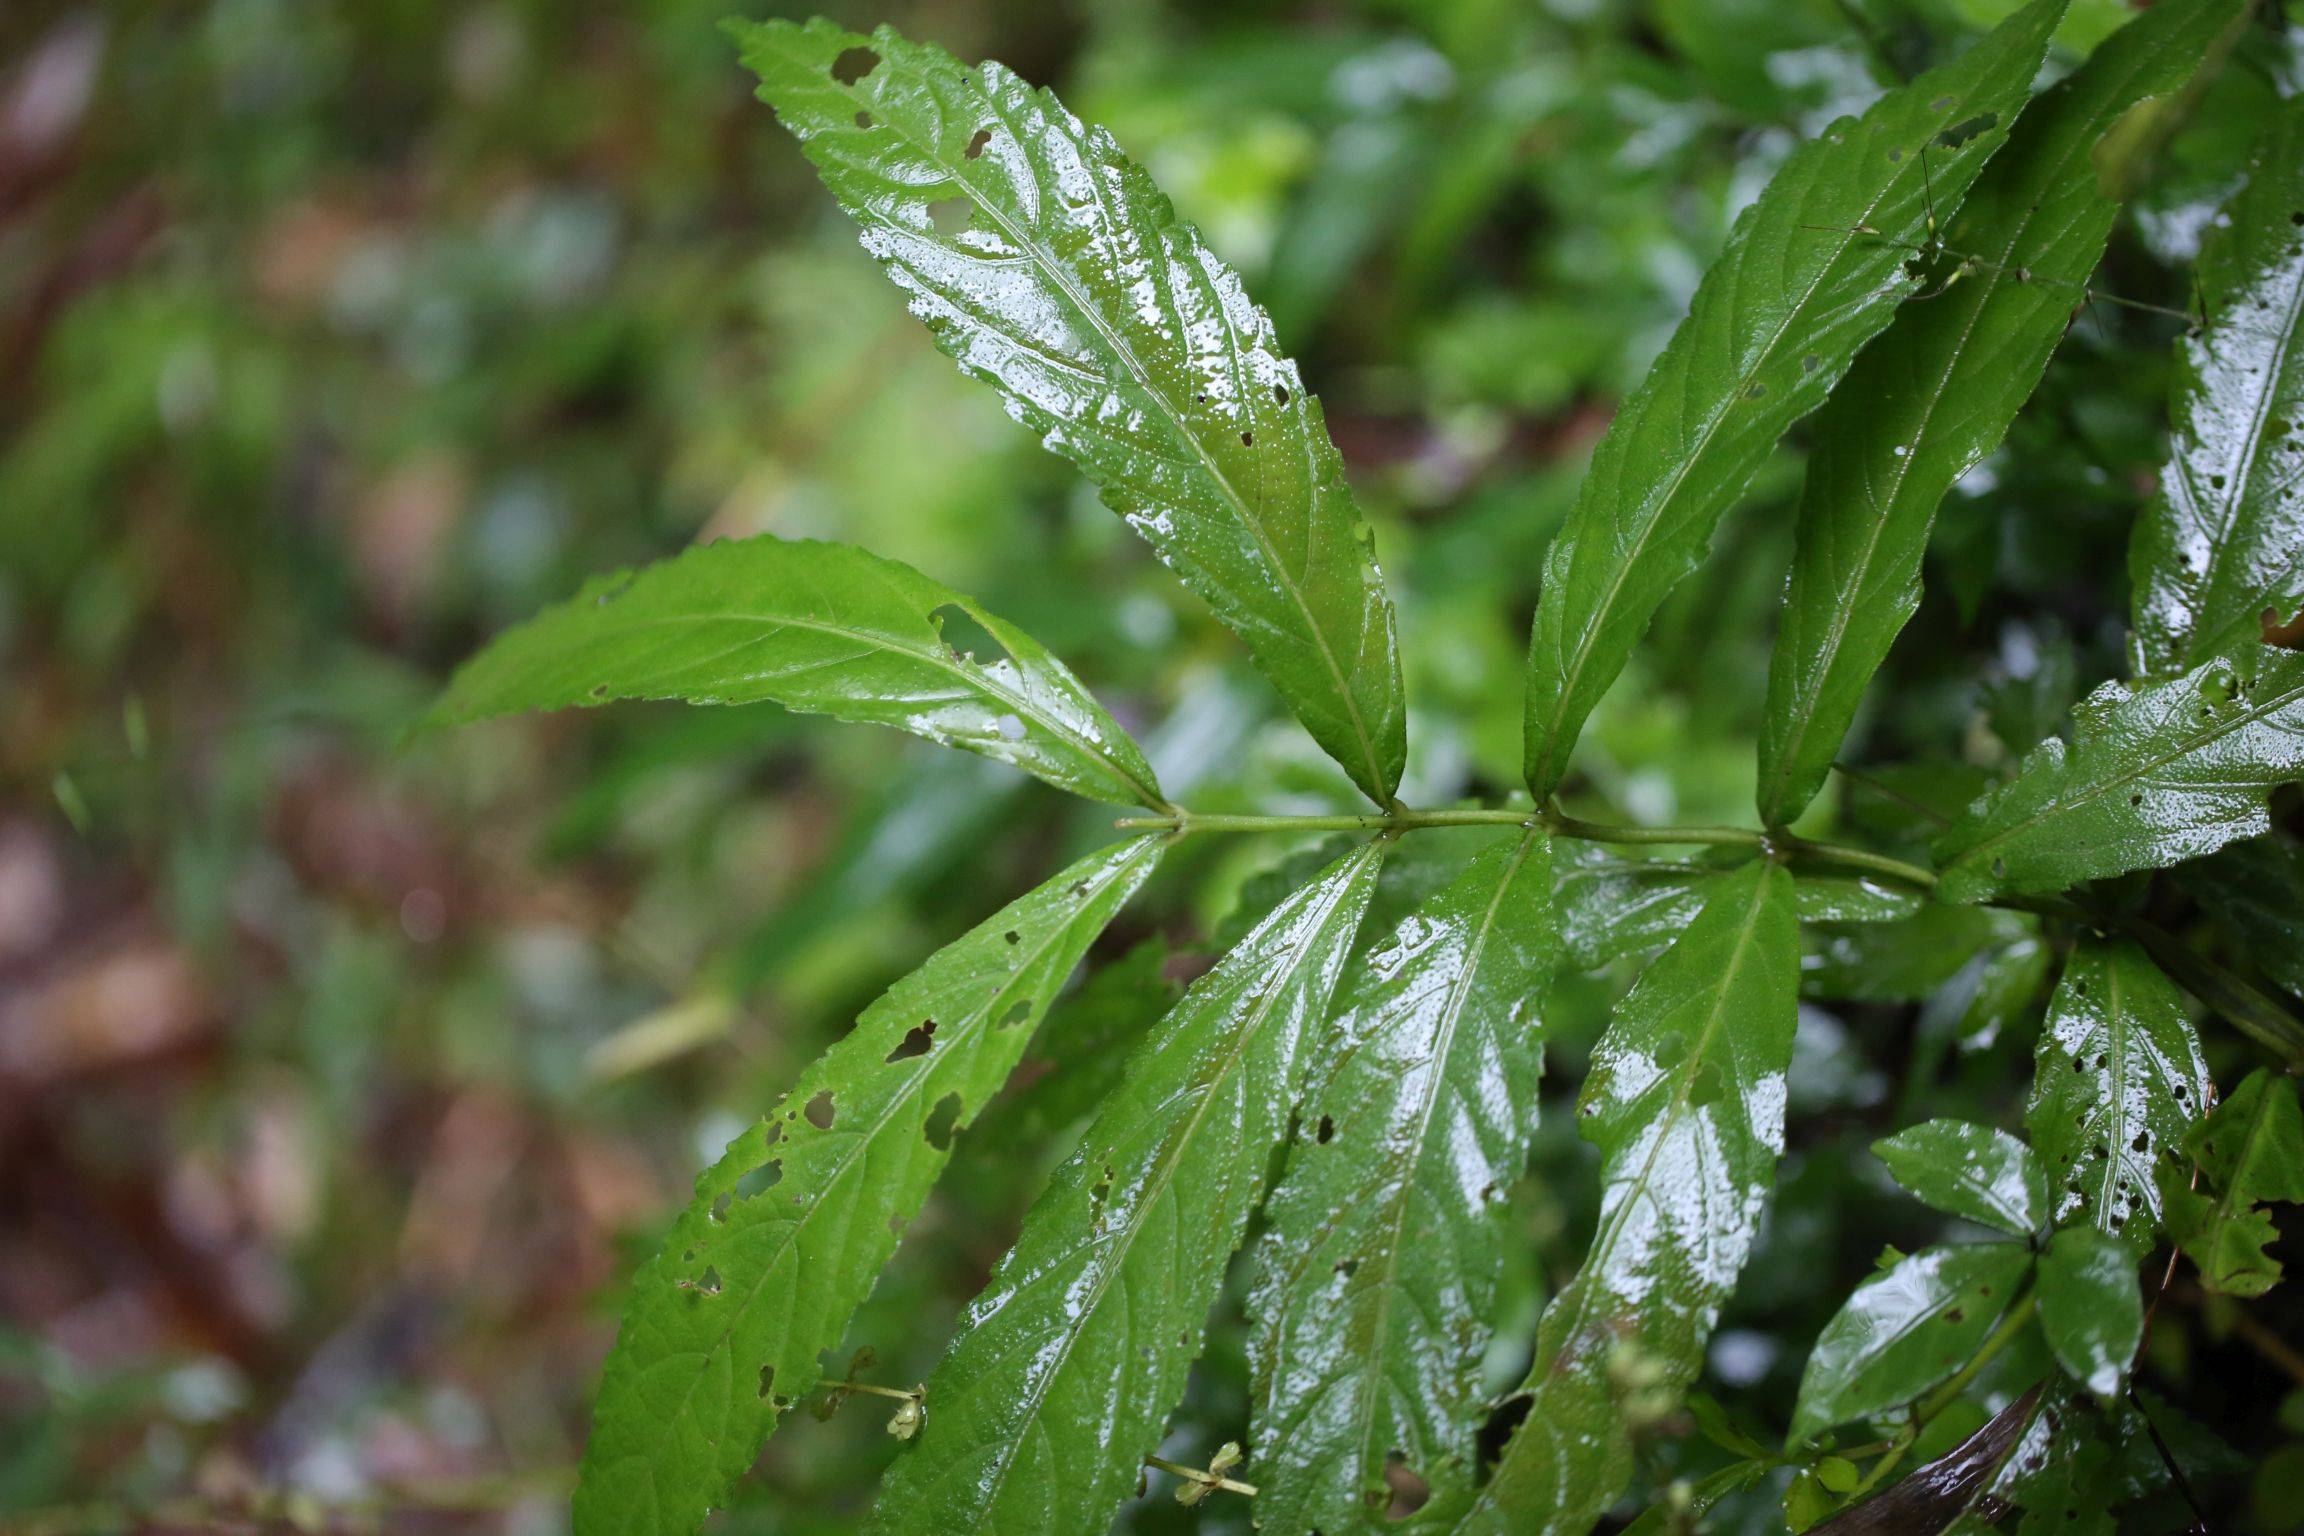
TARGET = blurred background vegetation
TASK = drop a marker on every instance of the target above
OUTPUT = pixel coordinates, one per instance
(342, 1080)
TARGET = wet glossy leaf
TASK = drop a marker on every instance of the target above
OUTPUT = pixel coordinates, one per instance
(2221, 548)
(2251, 1152)
(1115, 334)
(1904, 1331)
(2171, 771)
(2091, 1308)
(1378, 1276)
(789, 1230)
(1070, 1361)
(1934, 394)
(1685, 1100)
(1611, 906)
(1938, 1496)
(1081, 1054)
(1770, 330)
(1970, 1171)
(824, 628)
(2116, 1082)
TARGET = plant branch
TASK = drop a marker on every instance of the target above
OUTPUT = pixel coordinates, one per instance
(1937, 1401)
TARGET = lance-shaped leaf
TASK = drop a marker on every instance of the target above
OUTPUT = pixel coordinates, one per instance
(1905, 1330)
(1069, 1363)
(2091, 1309)
(2170, 771)
(2116, 1082)
(1811, 271)
(790, 1228)
(1970, 1171)
(1686, 1103)
(1379, 1272)
(1610, 906)
(1048, 265)
(2252, 1151)
(2221, 547)
(1934, 394)
(824, 628)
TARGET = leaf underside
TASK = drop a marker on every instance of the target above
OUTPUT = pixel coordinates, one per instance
(824, 628)
(1379, 1272)
(1685, 1100)
(1113, 332)
(789, 1230)
(1937, 390)
(1068, 1364)
(1771, 329)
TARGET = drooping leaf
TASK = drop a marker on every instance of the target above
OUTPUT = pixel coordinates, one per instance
(1611, 906)
(1905, 1330)
(1927, 400)
(2251, 1149)
(2091, 1308)
(825, 628)
(1070, 1361)
(1970, 1171)
(2256, 890)
(2222, 545)
(1379, 1272)
(1772, 327)
(2117, 1080)
(1115, 334)
(1686, 1102)
(2171, 771)
(788, 1231)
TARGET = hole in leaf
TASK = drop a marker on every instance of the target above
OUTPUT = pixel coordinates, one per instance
(1247, 439)
(820, 1111)
(761, 1179)
(1326, 1131)
(949, 215)
(863, 119)
(854, 64)
(976, 144)
(942, 1121)
(1968, 128)
(767, 1382)
(1280, 394)
(916, 1041)
(1013, 937)
(1017, 1014)
(1711, 1087)
(1409, 1492)
(965, 636)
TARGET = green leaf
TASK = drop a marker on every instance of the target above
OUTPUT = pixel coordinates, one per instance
(1904, 1331)
(2091, 1309)
(824, 628)
(1686, 1102)
(1069, 1362)
(1773, 325)
(2256, 890)
(1669, 1514)
(1902, 961)
(1084, 1050)
(1116, 335)
(2116, 1082)
(1378, 1276)
(2252, 1150)
(2169, 771)
(1611, 906)
(1927, 400)
(2221, 548)
(788, 1231)
(1970, 1171)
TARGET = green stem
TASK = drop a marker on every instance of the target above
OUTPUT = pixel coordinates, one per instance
(1937, 1401)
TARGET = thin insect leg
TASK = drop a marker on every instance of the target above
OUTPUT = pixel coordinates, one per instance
(1928, 197)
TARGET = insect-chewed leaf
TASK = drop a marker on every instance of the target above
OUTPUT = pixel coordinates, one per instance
(2221, 548)
(1929, 398)
(825, 628)
(2252, 1150)
(1114, 333)
(1800, 287)
(1610, 906)
(1905, 1330)
(1378, 1275)
(1971, 1171)
(790, 1228)
(1686, 1103)
(2169, 771)
(1070, 1361)
(2091, 1310)
(2116, 1081)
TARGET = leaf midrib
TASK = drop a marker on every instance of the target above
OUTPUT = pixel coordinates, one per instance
(1120, 1242)
(1120, 349)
